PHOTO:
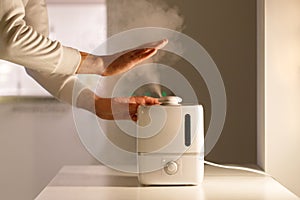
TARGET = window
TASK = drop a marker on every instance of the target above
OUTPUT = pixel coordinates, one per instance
(81, 25)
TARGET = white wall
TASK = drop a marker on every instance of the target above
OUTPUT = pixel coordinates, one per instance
(282, 91)
(37, 138)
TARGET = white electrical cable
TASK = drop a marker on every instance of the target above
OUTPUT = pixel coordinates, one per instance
(236, 168)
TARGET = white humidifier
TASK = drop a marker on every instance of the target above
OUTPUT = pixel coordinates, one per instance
(170, 143)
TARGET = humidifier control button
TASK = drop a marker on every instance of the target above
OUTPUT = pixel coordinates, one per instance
(171, 168)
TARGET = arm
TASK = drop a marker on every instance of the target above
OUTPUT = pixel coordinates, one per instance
(84, 98)
(119, 62)
(53, 66)
(113, 108)
(22, 44)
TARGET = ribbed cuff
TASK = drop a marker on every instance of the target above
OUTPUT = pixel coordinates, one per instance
(69, 63)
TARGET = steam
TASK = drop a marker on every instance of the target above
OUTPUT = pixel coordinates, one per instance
(129, 14)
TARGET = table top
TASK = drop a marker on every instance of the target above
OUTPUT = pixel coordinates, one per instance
(100, 182)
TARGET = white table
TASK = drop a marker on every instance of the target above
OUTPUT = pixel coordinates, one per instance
(102, 183)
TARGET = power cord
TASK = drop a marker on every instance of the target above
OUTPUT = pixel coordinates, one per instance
(236, 168)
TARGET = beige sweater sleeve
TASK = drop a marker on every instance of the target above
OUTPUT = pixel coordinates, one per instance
(24, 40)
(22, 44)
(66, 88)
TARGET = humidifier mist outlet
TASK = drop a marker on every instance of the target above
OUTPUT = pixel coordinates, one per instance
(170, 100)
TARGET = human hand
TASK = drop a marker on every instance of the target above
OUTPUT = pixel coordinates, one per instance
(121, 107)
(120, 62)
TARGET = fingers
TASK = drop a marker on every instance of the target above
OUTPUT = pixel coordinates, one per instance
(144, 100)
(124, 108)
(141, 101)
(129, 106)
(156, 45)
(152, 45)
(151, 101)
(161, 44)
(146, 51)
(142, 54)
(145, 55)
(123, 61)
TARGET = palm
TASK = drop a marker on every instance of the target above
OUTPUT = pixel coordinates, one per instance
(123, 61)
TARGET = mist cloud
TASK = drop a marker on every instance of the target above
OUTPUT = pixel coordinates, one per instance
(124, 15)
(129, 14)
